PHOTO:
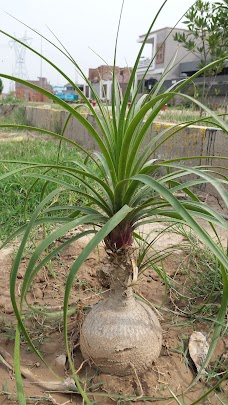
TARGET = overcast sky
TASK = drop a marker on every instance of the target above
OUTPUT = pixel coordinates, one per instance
(81, 25)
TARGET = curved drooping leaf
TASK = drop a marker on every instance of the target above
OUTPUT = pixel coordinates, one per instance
(124, 188)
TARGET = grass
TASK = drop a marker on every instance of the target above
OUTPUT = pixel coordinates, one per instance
(202, 283)
(13, 191)
(197, 285)
(200, 271)
(174, 115)
(13, 116)
(196, 293)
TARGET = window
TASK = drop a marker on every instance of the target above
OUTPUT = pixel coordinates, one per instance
(87, 91)
(104, 91)
(141, 87)
(160, 53)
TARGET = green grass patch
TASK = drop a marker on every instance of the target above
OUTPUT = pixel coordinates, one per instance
(178, 115)
(197, 286)
(13, 116)
(13, 190)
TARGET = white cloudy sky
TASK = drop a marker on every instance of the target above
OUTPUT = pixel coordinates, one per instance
(81, 25)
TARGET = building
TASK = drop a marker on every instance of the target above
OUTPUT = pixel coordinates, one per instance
(26, 93)
(162, 42)
(101, 80)
(161, 49)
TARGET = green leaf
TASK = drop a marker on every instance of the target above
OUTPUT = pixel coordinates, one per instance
(30, 272)
(17, 368)
(105, 148)
(181, 210)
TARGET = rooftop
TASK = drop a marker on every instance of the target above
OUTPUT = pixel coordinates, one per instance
(141, 37)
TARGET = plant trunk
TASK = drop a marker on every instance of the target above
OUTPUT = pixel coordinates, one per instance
(121, 335)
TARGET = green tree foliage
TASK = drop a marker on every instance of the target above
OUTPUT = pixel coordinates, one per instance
(208, 34)
(207, 39)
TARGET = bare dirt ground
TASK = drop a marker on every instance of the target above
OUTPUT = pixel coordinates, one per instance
(173, 368)
(9, 136)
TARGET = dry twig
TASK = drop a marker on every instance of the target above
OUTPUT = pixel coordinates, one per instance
(67, 385)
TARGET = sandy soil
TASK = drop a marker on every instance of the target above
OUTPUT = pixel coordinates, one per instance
(173, 369)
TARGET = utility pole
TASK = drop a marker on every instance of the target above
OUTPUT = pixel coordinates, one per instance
(20, 70)
(41, 60)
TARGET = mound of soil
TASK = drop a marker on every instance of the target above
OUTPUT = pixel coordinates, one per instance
(172, 371)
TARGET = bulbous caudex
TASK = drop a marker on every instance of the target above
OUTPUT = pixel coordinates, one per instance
(121, 335)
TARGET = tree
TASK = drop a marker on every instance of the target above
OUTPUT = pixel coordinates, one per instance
(207, 38)
(1, 86)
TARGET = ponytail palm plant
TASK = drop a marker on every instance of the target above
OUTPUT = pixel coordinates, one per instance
(128, 189)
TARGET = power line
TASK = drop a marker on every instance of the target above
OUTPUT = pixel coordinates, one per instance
(20, 69)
